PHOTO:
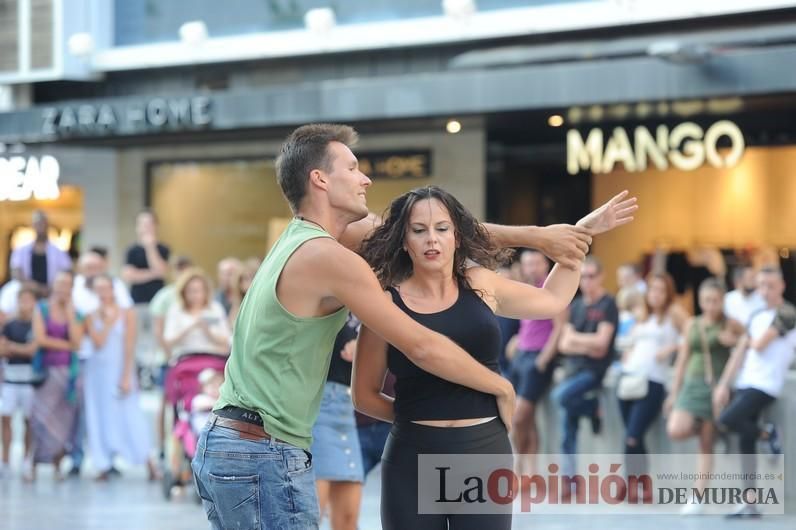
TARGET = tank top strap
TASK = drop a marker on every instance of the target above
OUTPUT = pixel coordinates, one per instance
(396, 297)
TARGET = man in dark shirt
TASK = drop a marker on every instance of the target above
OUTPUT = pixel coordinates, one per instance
(586, 343)
(147, 261)
(16, 351)
(40, 260)
(145, 270)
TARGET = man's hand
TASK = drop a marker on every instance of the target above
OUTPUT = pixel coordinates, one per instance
(616, 212)
(567, 245)
(149, 239)
(349, 351)
(565, 340)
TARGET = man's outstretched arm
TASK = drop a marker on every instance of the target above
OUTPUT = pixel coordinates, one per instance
(567, 244)
(564, 244)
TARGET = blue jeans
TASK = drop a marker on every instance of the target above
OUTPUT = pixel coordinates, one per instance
(371, 440)
(571, 396)
(254, 484)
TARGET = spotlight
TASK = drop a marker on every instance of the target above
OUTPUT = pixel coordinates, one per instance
(80, 44)
(555, 120)
(193, 33)
(459, 9)
(320, 20)
(453, 126)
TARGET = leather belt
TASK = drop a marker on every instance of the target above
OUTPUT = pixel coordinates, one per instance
(248, 431)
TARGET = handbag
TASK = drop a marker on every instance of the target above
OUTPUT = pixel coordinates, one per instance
(632, 386)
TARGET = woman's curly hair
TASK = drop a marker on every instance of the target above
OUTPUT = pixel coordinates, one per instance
(385, 253)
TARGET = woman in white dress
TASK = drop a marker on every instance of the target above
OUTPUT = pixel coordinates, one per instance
(116, 424)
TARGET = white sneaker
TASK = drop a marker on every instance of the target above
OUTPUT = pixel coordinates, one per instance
(744, 510)
(692, 509)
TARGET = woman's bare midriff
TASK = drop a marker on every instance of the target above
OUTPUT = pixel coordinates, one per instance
(469, 422)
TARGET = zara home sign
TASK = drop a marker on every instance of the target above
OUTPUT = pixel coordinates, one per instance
(23, 178)
(686, 147)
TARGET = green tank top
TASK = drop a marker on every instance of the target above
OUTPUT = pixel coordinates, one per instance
(719, 353)
(279, 361)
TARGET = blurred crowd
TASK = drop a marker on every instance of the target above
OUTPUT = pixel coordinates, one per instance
(79, 343)
(709, 376)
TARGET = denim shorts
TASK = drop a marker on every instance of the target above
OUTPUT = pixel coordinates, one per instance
(335, 441)
(254, 484)
(528, 381)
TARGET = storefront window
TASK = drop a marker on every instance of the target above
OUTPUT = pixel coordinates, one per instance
(209, 210)
(65, 216)
(704, 222)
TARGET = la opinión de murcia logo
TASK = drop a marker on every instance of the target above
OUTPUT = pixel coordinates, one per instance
(503, 486)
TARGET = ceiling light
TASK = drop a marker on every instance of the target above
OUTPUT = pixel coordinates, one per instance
(460, 9)
(193, 33)
(80, 44)
(320, 20)
(555, 120)
(453, 126)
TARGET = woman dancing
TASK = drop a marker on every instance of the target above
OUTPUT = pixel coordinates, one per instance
(422, 255)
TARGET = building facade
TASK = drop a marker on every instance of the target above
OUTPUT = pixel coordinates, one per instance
(558, 105)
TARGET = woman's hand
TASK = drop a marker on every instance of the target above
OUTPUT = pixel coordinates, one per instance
(721, 396)
(506, 404)
(125, 385)
(727, 337)
(614, 213)
(668, 405)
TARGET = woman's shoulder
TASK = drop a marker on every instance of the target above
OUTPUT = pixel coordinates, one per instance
(480, 277)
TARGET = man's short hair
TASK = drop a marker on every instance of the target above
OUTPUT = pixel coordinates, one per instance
(99, 251)
(27, 288)
(737, 273)
(182, 263)
(593, 261)
(773, 271)
(304, 150)
(150, 212)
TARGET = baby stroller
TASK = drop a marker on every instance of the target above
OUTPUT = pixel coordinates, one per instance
(181, 386)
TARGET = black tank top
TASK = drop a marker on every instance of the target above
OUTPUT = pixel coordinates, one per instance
(419, 395)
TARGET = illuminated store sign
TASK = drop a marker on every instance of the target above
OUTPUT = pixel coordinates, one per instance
(687, 147)
(24, 178)
(153, 115)
(396, 164)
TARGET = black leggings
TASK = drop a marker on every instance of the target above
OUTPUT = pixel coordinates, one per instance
(742, 416)
(399, 480)
(638, 415)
